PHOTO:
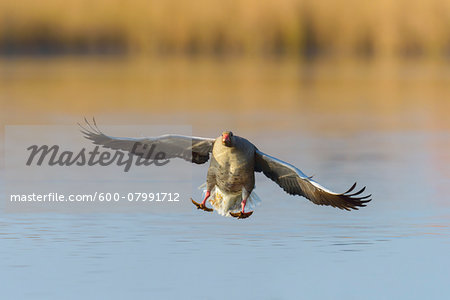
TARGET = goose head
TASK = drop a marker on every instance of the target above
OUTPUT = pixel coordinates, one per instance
(227, 138)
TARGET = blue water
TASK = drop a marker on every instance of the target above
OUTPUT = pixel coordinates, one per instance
(396, 248)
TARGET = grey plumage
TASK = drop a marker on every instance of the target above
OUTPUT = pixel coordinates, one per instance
(232, 168)
(295, 182)
(233, 165)
(194, 149)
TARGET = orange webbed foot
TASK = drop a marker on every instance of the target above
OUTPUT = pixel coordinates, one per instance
(241, 214)
(201, 206)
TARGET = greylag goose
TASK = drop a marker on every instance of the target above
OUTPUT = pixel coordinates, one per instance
(231, 174)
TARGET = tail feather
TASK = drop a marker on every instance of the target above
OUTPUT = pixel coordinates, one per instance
(225, 203)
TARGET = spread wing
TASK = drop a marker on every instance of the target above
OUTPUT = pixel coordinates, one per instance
(295, 182)
(193, 149)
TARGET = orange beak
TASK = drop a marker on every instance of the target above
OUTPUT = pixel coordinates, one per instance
(225, 138)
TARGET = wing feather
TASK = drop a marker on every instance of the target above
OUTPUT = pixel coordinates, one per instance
(295, 182)
(193, 149)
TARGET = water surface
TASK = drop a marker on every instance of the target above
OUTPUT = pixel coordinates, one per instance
(383, 126)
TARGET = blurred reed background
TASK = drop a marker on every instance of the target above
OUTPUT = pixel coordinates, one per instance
(346, 90)
(247, 27)
(224, 63)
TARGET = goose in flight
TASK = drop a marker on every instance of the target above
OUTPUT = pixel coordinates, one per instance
(231, 175)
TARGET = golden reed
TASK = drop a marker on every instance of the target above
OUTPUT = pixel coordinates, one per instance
(246, 27)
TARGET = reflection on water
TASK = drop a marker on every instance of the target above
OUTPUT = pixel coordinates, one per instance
(339, 122)
(381, 95)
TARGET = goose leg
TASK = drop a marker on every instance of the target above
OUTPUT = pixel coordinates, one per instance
(242, 214)
(202, 205)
